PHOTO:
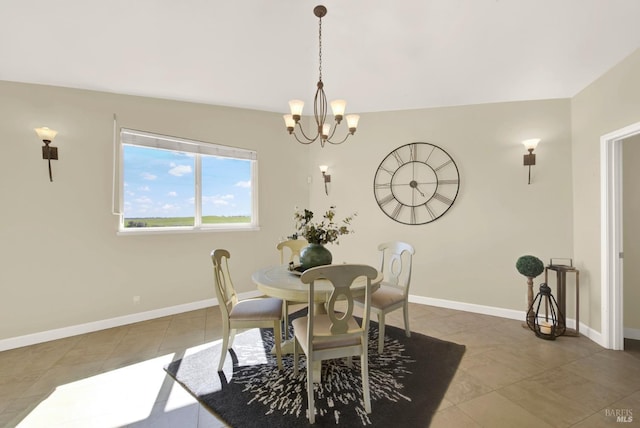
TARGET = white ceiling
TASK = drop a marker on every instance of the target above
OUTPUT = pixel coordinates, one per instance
(378, 55)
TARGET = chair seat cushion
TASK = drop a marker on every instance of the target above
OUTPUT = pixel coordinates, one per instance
(384, 297)
(322, 327)
(257, 309)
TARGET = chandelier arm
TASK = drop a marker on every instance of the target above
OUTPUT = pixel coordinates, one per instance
(309, 139)
(339, 142)
(333, 131)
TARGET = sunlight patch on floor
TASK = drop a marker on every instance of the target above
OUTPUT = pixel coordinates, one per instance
(138, 395)
(115, 398)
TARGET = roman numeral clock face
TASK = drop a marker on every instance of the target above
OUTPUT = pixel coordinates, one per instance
(416, 183)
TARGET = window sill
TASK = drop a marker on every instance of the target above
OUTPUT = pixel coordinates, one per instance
(178, 230)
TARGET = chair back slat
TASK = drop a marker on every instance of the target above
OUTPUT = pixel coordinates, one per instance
(396, 264)
(339, 321)
(342, 278)
(225, 292)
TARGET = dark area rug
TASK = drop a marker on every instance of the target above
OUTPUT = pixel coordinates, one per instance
(407, 382)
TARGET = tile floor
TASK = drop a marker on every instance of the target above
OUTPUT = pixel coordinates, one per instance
(507, 378)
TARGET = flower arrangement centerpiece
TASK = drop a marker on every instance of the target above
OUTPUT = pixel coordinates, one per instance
(323, 232)
(319, 233)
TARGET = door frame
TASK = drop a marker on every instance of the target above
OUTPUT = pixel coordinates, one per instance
(611, 235)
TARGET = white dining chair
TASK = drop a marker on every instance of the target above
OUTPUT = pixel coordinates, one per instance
(249, 313)
(394, 289)
(292, 248)
(334, 334)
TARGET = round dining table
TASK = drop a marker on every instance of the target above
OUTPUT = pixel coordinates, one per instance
(279, 281)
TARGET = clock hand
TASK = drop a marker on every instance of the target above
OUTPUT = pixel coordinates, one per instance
(414, 185)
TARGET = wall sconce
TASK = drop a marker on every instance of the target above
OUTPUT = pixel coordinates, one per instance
(327, 177)
(530, 158)
(48, 152)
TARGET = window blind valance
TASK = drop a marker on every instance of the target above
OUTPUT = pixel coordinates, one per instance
(147, 139)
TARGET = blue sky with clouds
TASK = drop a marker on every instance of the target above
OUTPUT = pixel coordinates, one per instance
(161, 183)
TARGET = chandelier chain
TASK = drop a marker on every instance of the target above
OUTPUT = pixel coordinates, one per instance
(320, 49)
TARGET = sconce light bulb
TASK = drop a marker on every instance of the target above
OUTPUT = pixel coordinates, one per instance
(531, 144)
(46, 134)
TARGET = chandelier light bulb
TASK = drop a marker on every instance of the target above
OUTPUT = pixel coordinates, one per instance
(338, 107)
(296, 107)
(326, 128)
(352, 122)
(289, 122)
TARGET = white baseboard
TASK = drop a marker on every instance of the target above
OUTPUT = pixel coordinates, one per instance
(632, 333)
(60, 333)
(503, 313)
(469, 307)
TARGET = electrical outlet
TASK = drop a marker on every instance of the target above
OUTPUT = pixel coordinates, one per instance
(136, 300)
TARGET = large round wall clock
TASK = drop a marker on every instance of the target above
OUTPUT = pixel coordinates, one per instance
(416, 183)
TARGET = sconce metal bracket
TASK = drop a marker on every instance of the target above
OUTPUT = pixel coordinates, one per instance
(529, 159)
(49, 152)
(327, 179)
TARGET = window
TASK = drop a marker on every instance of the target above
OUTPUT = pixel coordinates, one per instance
(170, 183)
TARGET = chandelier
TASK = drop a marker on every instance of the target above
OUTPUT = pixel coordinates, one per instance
(324, 130)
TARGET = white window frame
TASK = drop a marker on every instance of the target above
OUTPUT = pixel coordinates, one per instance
(158, 141)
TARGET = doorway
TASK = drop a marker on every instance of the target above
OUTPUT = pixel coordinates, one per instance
(611, 235)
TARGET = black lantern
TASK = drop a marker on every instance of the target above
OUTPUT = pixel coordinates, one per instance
(549, 323)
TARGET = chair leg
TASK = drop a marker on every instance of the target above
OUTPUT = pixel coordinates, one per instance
(365, 381)
(277, 337)
(232, 336)
(405, 311)
(225, 345)
(285, 317)
(295, 356)
(311, 408)
(380, 332)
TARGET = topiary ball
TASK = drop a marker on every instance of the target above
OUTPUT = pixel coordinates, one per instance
(530, 266)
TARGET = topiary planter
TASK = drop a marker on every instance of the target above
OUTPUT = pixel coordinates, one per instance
(530, 266)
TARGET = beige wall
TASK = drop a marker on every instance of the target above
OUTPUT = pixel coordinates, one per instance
(62, 263)
(631, 231)
(469, 254)
(610, 103)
